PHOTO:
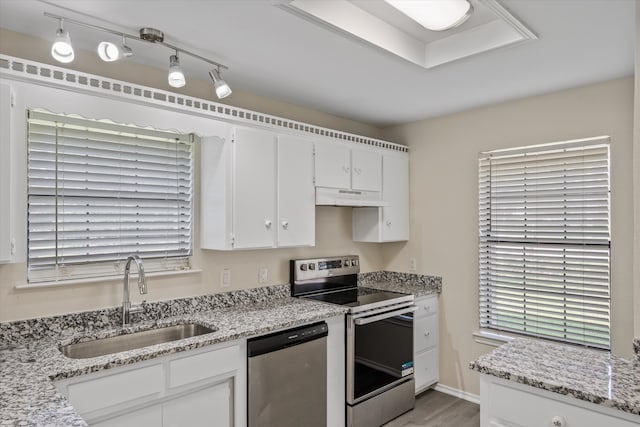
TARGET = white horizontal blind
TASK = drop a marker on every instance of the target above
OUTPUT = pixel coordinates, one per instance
(99, 191)
(545, 241)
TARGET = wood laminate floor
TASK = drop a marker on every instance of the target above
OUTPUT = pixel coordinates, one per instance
(435, 409)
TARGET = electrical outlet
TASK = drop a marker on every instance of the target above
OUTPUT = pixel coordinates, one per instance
(412, 264)
(263, 276)
(225, 278)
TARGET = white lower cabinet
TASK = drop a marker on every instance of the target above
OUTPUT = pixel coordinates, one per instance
(145, 417)
(425, 342)
(203, 387)
(508, 404)
(208, 407)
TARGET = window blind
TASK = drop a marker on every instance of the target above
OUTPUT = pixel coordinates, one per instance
(100, 191)
(544, 258)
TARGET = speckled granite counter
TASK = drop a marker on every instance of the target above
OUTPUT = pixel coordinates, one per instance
(589, 375)
(30, 358)
(408, 283)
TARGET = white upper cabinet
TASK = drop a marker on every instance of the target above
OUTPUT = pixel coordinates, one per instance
(254, 190)
(339, 166)
(295, 192)
(257, 190)
(366, 170)
(5, 172)
(391, 222)
(333, 165)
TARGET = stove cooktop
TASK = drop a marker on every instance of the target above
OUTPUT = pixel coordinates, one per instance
(362, 298)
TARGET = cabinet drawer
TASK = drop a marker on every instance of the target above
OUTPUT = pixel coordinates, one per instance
(425, 333)
(509, 407)
(426, 369)
(426, 306)
(110, 390)
(204, 365)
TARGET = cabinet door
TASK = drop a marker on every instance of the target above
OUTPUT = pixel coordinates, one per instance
(366, 170)
(254, 188)
(150, 416)
(209, 407)
(395, 191)
(333, 165)
(296, 193)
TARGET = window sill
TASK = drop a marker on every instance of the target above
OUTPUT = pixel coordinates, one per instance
(110, 279)
(491, 338)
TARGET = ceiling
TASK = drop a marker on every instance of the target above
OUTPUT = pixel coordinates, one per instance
(278, 54)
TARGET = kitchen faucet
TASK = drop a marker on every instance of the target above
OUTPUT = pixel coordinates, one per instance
(142, 287)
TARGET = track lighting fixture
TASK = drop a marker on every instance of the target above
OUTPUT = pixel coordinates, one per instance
(222, 88)
(62, 51)
(176, 76)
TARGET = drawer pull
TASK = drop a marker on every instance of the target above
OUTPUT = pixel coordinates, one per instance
(558, 421)
(427, 333)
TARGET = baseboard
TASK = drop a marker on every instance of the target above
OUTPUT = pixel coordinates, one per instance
(474, 398)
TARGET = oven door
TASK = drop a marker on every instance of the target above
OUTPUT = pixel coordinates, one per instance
(379, 351)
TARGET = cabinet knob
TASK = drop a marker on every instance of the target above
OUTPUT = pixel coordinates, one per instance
(427, 333)
(558, 421)
(358, 171)
(267, 224)
(345, 169)
(285, 224)
(388, 223)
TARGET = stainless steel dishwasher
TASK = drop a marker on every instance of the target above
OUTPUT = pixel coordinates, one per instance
(287, 378)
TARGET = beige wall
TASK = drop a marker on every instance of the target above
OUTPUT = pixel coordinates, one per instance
(333, 225)
(636, 178)
(444, 202)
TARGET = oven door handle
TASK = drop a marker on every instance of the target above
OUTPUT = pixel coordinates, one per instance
(367, 320)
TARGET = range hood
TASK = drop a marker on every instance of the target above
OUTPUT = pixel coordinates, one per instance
(342, 197)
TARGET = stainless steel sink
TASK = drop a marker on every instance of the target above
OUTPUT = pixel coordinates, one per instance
(134, 340)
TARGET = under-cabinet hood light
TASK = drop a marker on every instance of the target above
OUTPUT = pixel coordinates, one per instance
(435, 15)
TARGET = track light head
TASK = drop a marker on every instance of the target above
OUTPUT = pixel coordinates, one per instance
(222, 88)
(110, 52)
(176, 76)
(62, 50)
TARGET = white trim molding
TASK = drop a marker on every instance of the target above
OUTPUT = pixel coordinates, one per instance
(76, 81)
(470, 397)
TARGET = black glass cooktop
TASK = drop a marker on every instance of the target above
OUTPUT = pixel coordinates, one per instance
(361, 297)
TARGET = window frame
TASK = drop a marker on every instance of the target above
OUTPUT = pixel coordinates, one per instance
(105, 270)
(497, 290)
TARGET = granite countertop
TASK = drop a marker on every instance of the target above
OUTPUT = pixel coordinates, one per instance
(28, 366)
(407, 283)
(590, 375)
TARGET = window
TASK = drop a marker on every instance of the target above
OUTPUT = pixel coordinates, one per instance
(545, 241)
(100, 191)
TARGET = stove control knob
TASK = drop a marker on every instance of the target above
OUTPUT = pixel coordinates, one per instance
(312, 266)
(303, 267)
(354, 262)
(346, 263)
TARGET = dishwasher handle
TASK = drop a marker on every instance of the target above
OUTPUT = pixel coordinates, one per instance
(283, 339)
(366, 320)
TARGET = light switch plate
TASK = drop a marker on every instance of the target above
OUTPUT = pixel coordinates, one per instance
(263, 276)
(225, 278)
(412, 265)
